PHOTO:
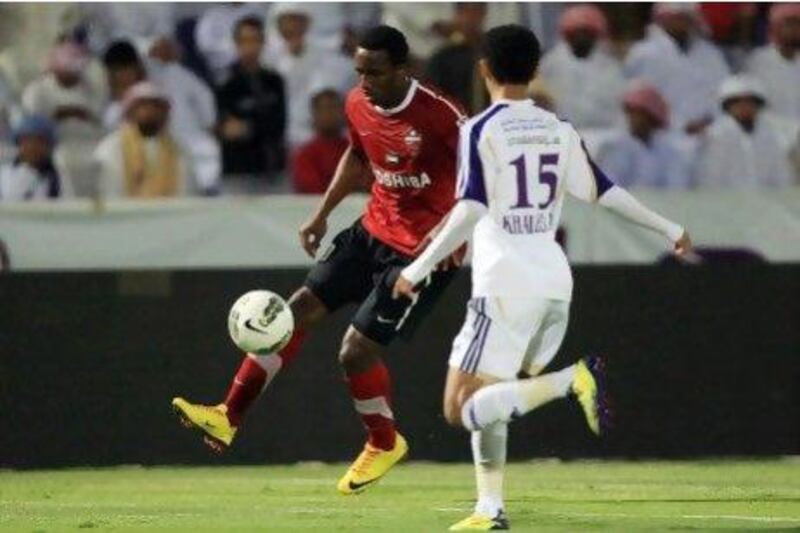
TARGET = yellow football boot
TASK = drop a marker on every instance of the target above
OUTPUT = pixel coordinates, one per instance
(479, 522)
(371, 465)
(211, 420)
(588, 386)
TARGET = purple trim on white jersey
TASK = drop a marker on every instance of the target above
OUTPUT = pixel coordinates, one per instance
(602, 181)
(474, 187)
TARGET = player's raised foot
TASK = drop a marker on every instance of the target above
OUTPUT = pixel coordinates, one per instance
(371, 465)
(479, 522)
(211, 420)
(588, 386)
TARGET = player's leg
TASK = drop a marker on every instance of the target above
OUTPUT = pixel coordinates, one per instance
(219, 423)
(370, 387)
(338, 278)
(257, 371)
(379, 319)
(504, 401)
(486, 351)
(488, 453)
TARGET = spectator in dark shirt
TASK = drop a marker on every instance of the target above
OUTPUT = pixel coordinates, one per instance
(252, 107)
(453, 67)
(314, 163)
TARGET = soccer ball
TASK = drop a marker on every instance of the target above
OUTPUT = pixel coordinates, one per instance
(260, 322)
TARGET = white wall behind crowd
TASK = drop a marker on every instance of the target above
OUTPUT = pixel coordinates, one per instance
(262, 232)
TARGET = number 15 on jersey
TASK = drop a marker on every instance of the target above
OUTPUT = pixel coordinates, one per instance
(538, 218)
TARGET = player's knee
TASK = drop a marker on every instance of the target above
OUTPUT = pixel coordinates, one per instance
(306, 308)
(357, 353)
(452, 413)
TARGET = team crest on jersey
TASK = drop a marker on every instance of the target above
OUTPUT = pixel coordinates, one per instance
(392, 159)
(413, 140)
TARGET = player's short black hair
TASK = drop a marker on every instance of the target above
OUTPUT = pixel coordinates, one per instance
(251, 21)
(322, 94)
(120, 54)
(512, 52)
(387, 39)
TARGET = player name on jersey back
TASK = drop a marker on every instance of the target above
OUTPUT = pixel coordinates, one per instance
(528, 223)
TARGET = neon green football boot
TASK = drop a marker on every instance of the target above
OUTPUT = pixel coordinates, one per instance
(211, 420)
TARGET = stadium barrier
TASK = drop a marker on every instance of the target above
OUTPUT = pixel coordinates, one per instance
(259, 232)
(703, 361)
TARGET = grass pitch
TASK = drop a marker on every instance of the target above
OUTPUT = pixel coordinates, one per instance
(416, 497)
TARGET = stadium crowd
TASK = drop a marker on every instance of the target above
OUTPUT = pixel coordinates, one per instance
(160, 99)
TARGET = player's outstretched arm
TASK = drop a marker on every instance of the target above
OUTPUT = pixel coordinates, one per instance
(624, 204)
(456, 231)
(347, 179)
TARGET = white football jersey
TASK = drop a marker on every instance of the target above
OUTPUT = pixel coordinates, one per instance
(520, 161)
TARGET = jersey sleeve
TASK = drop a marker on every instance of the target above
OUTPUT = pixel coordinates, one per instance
(584, 180)
(472, 182)
(470, 179)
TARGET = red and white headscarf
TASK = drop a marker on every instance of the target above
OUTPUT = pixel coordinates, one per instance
(144, 90)
(778, 14)
(67, 57)
(644, 97)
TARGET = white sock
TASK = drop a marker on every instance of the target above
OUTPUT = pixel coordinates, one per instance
(489, 455)
(271, 363)
(503, 401)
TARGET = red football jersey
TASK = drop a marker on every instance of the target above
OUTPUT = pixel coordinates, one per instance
(412, 152)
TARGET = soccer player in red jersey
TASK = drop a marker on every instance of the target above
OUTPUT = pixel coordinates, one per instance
(405, 136)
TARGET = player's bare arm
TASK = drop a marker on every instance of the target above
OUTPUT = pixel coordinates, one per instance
(683, 246)
(348, 178)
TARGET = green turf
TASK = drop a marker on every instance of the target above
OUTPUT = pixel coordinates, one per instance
(541, 496)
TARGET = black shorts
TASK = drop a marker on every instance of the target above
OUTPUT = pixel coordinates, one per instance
(358, 268)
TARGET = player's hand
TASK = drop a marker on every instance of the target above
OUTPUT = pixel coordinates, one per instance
(683, 246)
(402, 287)
(454, 260)
(311, 234)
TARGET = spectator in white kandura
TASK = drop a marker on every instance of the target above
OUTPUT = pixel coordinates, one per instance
(645, 153)
(305, 69)
(65, 95)
(778, 64)
(214, 35)
(746, 146)
(193, 109)
(141, 159)
(193, 114)
(685, 67)
(586, 81)
(33, 174)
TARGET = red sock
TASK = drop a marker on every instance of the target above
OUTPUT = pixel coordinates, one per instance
(371, 391)
(290, 351)
(254, 374)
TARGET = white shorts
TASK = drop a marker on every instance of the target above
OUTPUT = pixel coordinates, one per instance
(503, 336)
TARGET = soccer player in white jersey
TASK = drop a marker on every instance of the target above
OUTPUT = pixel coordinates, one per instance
(517, 162)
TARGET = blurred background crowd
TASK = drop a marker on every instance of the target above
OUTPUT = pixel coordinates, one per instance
(155, 100)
